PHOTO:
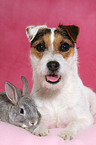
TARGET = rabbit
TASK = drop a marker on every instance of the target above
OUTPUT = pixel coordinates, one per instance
(18, 108)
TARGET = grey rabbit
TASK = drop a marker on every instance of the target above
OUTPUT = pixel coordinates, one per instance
(17, 107)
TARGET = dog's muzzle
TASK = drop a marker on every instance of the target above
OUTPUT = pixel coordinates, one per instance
(52, 77)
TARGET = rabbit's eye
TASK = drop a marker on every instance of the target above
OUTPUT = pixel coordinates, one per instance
(21, 111)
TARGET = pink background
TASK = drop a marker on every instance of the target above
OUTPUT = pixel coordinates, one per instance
(16, 15)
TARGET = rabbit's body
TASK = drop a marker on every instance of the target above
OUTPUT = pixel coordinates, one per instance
(4, 107)
(17, 107)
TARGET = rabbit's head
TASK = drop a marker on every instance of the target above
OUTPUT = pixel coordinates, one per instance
(23, 111)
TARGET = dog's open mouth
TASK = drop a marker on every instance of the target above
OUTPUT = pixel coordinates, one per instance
(53, 78)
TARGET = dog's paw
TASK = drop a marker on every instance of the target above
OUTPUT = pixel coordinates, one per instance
(41, 131)
(67, 134)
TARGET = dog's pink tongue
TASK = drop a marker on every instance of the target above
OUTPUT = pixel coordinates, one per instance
(52, 78)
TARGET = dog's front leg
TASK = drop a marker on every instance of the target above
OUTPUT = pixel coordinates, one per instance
(41, 130)
(71, 130)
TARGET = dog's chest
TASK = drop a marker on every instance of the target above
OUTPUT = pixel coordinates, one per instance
(55, 113)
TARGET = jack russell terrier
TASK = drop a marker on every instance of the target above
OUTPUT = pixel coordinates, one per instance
(58, 91)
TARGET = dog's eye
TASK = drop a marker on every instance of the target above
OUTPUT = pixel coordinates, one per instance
(40, 47)
(64, 47)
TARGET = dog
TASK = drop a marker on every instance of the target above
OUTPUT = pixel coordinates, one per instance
(59, 93)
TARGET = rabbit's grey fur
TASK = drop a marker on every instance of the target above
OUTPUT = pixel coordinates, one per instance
(18, 108)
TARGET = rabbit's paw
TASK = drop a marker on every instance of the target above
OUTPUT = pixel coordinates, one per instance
(41, 131)
(67, 134)
(30, 130)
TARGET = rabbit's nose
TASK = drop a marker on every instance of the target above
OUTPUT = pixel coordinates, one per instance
(33, 123)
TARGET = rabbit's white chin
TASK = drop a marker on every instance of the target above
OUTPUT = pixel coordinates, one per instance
(24, 126)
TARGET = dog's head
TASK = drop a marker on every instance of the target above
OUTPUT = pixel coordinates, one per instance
(53, 54)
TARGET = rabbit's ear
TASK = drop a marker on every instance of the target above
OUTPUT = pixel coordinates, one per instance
(32, 30)
(25, 86)
(11, 92)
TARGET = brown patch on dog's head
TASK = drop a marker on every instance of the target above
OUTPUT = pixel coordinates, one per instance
(41, 42)
(65, 37)
(63, 45)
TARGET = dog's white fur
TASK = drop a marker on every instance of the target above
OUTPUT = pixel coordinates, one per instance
(68, 103)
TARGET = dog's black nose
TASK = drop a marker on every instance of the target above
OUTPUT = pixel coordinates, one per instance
(53, 65)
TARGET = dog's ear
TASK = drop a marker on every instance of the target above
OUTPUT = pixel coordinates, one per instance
(72, 31)
(31, 31)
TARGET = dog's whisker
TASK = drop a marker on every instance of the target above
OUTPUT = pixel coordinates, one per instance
(45, 115)
(36, 91)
